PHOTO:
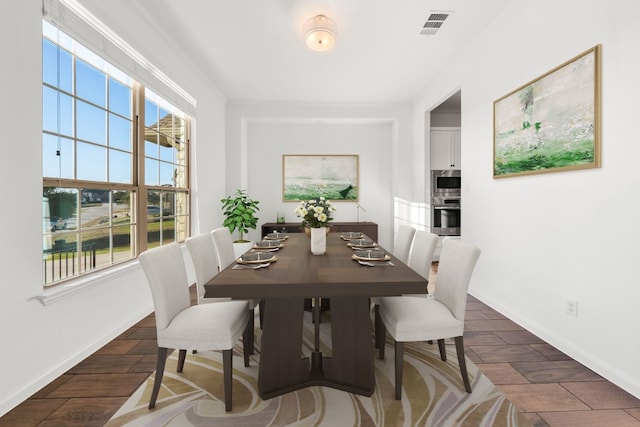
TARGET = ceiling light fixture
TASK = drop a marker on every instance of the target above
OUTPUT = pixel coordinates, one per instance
(320, 33)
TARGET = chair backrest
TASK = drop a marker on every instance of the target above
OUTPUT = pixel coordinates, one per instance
(205, 260)
(421, 255)
(402, 244)
(224, 245)
(167, 277)
(457, 261)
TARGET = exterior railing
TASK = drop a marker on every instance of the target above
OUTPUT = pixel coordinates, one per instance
(61, 261)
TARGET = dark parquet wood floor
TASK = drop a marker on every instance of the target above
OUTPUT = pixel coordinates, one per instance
(548, 386)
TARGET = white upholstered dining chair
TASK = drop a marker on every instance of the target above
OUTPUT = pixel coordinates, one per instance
(205, 262)
(410, 318)
(182, 326)
(403, 241)
(419, 259)
(223, 243)
(421, 255)
(204, 256)
(401, 249)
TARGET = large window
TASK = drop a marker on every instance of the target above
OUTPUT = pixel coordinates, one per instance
(165, 173)
(101, 204)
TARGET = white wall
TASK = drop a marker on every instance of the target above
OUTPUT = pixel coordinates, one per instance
(259, 133)
(555, 236)
(42, 342)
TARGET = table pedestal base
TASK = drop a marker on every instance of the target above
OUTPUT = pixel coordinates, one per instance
(282, 367)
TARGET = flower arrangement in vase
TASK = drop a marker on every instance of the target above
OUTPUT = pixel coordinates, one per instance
(316, 212)
(316, 215)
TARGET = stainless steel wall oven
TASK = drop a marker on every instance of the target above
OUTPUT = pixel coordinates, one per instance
(445, 202)
(445, 216)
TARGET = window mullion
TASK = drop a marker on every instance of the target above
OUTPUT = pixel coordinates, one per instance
(138, 175)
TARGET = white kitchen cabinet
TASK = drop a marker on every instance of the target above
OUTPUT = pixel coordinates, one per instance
(445, 148)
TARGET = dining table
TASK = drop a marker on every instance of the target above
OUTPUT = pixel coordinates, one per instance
(295, 274)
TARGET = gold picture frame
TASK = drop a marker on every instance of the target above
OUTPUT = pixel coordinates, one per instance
(332, 176)
(552, 123)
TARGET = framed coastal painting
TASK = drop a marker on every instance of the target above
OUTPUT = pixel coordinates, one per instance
(333, 176)
(551, 123)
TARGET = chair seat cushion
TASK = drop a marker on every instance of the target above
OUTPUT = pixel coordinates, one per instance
(206, 326)
(418, 319)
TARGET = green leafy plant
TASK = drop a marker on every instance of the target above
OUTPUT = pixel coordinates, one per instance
(239, 211)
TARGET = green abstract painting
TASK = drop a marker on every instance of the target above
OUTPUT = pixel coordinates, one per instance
(551, 123)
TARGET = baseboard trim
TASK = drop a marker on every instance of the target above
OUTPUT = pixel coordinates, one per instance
(602, 368)
(11, 401)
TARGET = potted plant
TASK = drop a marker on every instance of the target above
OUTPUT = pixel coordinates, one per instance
(239, 211)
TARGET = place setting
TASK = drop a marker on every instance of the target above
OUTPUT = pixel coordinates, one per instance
(275, 236)
(254, 260)
(372, 258)
(363, 243)
(352, 235)
(267, 246)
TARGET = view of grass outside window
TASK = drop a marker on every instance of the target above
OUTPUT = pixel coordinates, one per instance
(92, 214)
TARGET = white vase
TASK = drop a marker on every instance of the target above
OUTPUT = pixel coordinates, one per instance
(318, 240)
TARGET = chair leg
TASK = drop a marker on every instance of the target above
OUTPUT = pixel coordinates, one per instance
(463, 364)
(162, 359)
(399, 346)
(248, 336)
(227, 370)
(247, 342)
(380, 335)
(443, 350)
(182, 354)
(376, 326)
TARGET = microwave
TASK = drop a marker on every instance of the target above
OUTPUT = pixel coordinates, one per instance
(445, 182)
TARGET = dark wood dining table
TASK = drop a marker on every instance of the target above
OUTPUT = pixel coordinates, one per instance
(296, 275)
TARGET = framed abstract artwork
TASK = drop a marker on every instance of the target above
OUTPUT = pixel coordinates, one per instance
(551, 123)
(306, 176)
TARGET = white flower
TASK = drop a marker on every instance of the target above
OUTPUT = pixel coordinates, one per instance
(315, 212)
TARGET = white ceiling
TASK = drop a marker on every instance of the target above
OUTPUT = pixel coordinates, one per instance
(253, 49)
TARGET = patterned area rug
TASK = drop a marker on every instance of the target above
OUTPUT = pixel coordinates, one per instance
(433, 395)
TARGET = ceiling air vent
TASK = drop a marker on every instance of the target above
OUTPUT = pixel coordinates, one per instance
(434, 23)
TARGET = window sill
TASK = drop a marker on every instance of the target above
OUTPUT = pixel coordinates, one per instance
(63, 291)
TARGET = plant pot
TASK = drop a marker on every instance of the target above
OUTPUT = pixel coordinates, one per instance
(241, 247)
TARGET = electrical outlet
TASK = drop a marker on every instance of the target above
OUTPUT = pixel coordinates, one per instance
(571, 307)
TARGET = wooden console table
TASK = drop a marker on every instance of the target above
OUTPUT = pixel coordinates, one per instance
(368, 228)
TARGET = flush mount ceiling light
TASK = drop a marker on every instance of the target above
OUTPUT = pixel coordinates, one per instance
(320, 33)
